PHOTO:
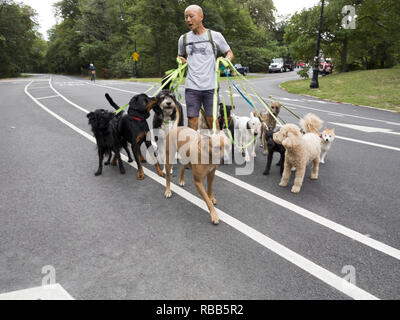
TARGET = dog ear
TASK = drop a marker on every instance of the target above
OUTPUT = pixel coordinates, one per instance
(90, 115)
(151, 104)
(290, 141)
(333, 130)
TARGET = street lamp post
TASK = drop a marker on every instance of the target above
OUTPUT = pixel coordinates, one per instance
(314, 83)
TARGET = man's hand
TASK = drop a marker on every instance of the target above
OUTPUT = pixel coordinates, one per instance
(182, 59)
(229, 55)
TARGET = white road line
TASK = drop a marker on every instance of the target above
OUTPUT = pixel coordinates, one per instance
(39, 87)
(49, 292)
(56, 96)
(70, 102)
(317, 271)
(99, 85)
(335, 113)
(369, 143)
(73, 127)
(377, 245)
(312, 216)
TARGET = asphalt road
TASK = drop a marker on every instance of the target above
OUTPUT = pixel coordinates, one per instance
(114, 237)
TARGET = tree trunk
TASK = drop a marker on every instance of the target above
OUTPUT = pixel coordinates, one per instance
(343, 55)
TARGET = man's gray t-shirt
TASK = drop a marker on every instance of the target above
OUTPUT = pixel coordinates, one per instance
(201, 58)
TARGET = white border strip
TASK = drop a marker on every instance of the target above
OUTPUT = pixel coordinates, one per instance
(49, 292)
(289, 255)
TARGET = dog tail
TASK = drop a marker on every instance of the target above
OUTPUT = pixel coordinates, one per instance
(111, 101)
(311, 123)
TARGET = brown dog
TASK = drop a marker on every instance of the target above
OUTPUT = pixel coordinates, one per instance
(202, 153)
(268, 123)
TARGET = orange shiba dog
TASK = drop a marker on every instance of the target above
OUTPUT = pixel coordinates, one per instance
(327, 137)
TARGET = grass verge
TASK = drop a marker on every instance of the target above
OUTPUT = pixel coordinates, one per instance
(375, 88)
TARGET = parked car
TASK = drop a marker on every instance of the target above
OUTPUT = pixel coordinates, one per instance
(281, 65)
(242, 70)
(301, 64)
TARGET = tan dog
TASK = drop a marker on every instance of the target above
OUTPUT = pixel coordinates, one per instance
(268, 123)
(300, 150)
(202, 153)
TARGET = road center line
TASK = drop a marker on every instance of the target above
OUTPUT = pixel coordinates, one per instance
(48, 97)
(317, 271)
(377, 245)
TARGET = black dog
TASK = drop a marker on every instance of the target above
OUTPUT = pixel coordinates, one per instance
(274, 147)
(222, 123)
(133, 127)
(105, 129)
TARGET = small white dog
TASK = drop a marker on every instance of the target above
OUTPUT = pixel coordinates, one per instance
(246, 130)
(327, 137)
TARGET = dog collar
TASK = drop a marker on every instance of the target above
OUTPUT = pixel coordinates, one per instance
(136, 118)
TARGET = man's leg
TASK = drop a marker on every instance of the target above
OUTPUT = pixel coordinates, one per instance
(193, 102)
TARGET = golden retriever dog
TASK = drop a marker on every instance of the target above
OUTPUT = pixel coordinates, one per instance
(202, 153)
(300, 150)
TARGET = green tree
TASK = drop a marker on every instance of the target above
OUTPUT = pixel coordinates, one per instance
(18, 35)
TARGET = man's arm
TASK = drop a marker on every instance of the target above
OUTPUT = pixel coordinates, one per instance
(229, 55)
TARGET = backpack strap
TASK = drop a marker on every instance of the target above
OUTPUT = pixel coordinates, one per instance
(184, 44)
(210, 38)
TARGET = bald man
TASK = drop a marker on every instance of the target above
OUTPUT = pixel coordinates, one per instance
(199, 49)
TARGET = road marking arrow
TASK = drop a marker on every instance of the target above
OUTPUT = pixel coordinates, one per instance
(365, 129)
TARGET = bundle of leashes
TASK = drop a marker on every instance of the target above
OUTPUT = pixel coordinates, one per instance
(172, 77)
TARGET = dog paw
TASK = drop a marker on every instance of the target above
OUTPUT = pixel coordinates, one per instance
(265, 153)
(213, 200)
(130, 160)
(265, 173)
(214, 219)
(295, 189)
(168, 194)
(160, 173)
(182, 183)
(314, 177)
(106, 163)
(140, 176)
(283, 184)
(322, 161)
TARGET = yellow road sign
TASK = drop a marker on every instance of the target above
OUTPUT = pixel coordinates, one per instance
(135, 56)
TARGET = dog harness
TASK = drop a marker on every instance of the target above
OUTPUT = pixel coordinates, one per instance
(210, 39)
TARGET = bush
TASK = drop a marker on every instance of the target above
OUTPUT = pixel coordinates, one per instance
(303, 73)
